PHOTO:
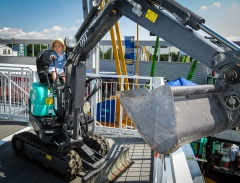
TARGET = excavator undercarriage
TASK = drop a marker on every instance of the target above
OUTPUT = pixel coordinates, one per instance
(73, 163)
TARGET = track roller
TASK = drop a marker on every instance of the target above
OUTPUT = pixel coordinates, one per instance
(18, 145)
(98, 143)
(74, 165)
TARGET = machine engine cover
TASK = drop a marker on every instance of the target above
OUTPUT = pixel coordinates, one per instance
(41, 100)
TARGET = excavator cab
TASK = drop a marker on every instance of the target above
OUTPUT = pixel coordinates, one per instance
(49, 103)
(42, 63)
(46, 115)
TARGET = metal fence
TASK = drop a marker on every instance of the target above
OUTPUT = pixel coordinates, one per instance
(110, 117)
(15, 83)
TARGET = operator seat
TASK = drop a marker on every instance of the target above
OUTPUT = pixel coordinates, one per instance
(42, 62)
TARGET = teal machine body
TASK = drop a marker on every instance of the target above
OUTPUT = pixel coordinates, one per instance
(41, 100)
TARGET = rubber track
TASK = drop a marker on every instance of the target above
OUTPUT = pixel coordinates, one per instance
(72, 159)
(99, 143)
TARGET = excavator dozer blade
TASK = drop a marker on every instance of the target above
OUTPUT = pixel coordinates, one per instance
(117, 162)
(168, 117)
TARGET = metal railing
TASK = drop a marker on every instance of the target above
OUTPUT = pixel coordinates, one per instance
(15, 83)
(109, 116)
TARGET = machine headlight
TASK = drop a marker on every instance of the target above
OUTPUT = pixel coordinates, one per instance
(70, 42)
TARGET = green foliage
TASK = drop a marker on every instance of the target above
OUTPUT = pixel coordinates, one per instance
(174, 57)
(164, 57)
(100, 53)
(36, 49)
(10, 45)
(108, 53)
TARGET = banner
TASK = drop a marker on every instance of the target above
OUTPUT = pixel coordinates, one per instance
(22, 50)
(129, 50)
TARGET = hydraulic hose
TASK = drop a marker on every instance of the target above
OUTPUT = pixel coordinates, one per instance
(183, 14)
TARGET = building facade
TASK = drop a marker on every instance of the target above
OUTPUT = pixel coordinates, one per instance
(7, 51)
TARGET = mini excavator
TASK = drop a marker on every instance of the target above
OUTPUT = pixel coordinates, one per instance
(165, 117)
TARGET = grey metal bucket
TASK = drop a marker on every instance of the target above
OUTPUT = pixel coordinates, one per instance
(169, 117)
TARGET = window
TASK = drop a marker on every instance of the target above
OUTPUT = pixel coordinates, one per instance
(4, 51)
(9, 51)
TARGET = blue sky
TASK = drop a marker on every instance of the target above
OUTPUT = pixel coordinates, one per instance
(48, 19)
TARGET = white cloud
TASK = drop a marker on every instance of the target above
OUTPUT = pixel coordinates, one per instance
(234, 6)
(57, 28)
(6, 28)
(214, 5)
(79, 20)
(233, 38)
(73, 28)
(203, 7)
(217, 4)
(33, 35)
(7, 32)
(55, 31)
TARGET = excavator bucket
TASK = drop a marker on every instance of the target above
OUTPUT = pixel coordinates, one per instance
(169, 117)
(117, 162)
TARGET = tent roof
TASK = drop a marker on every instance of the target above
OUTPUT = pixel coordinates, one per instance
(181, 82)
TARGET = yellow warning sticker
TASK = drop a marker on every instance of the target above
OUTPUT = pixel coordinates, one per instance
(49, 101)
(49, 93)
(48, 157)
(150, 15)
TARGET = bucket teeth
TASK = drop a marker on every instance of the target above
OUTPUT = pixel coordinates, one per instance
(110, 170)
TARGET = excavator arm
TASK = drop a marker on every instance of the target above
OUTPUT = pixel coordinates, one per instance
(169, 117)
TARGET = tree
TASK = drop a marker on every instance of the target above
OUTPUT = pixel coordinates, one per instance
(37, 49)
(100, 54)
(174, 56)
(108, 53)
(164, 57)
(10, 45)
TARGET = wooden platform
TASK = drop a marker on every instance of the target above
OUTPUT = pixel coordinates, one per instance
(14, 169)
(8, 127)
